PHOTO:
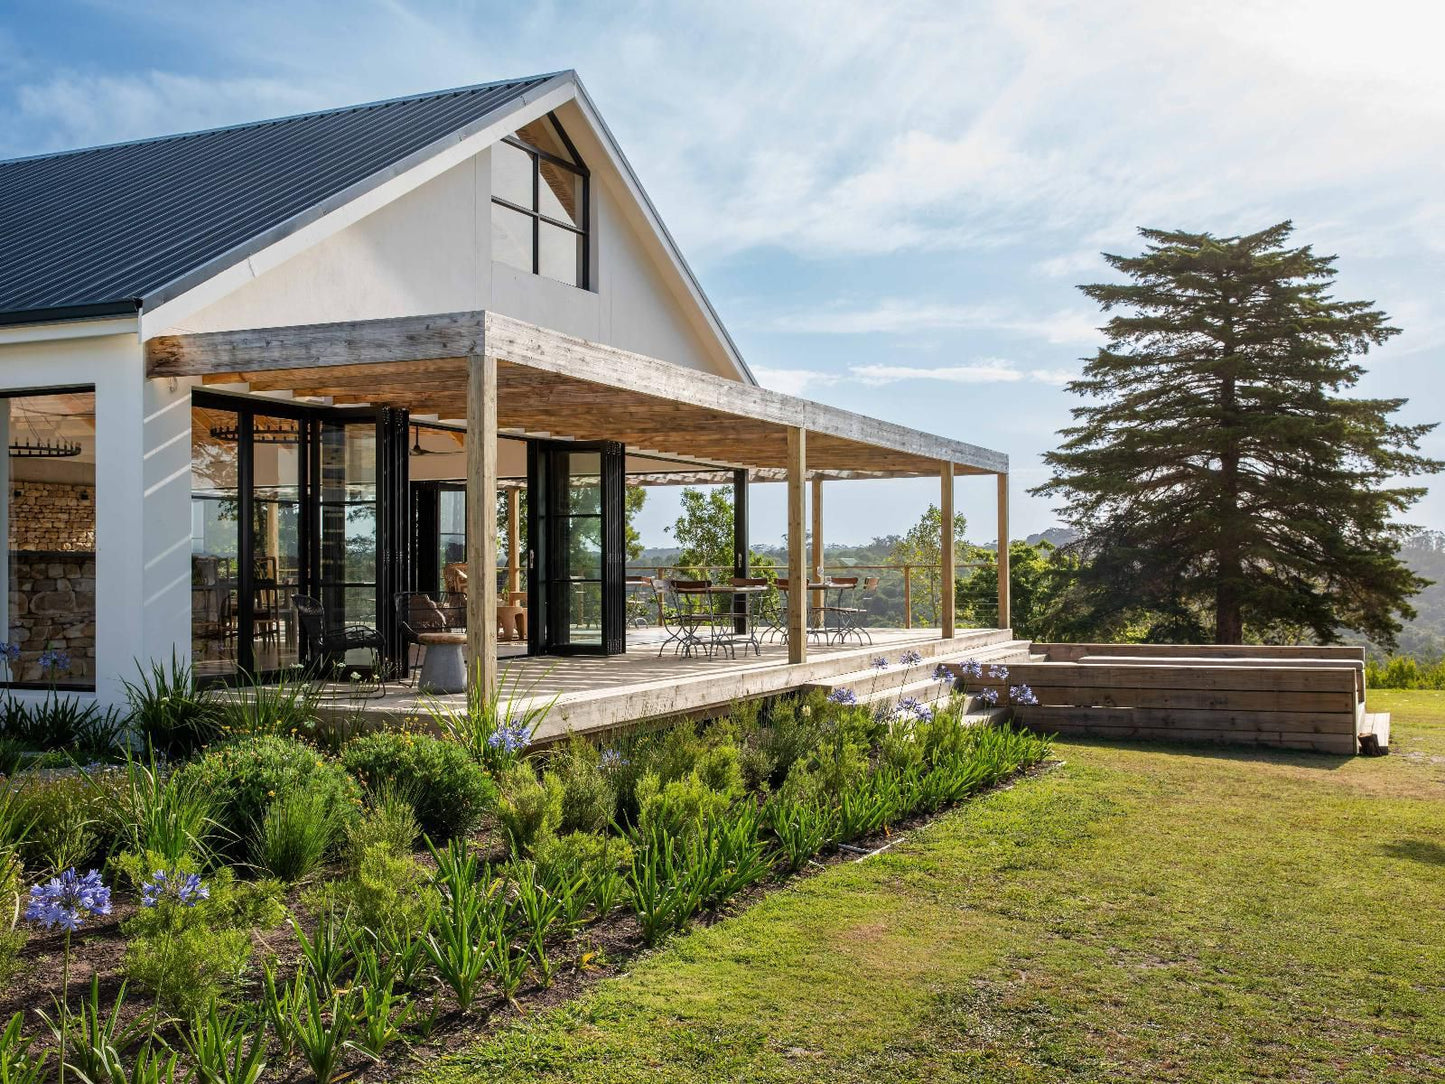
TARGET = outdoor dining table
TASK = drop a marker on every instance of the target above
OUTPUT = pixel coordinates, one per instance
(741, 626)
(820, 628)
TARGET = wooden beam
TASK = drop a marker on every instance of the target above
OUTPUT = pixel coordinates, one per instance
(482, 520)
(540, 348)
(797, 553)
(946, 585)
(1005, 618)
(351, 342)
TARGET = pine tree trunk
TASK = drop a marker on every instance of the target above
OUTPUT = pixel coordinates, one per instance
(1228, 612)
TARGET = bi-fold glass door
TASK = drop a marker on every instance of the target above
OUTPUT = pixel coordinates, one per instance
(288, 500)
(575, 555)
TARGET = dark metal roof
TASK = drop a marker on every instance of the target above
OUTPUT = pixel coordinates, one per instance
(107, 229)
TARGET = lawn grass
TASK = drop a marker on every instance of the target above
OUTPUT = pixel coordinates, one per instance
(1139, 913)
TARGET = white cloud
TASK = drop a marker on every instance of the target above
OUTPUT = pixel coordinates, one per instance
(987, 372)
(881, 374)
(792, 381)
(892, 316)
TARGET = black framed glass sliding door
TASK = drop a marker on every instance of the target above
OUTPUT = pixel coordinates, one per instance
(575, 559)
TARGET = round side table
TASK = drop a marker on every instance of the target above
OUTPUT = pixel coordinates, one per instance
(443, 668)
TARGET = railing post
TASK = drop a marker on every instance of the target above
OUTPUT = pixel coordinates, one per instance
(797, 551)
(946, 585)
(1005, 619)
(907, 596)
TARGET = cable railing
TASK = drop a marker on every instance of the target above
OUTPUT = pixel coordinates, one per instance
(908, 593)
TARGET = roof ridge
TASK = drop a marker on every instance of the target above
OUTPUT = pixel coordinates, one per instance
(267, 121)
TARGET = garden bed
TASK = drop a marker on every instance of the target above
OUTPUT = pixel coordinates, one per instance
(274, 899)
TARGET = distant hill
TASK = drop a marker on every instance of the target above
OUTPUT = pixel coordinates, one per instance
(1424, 637)
(1054, 536)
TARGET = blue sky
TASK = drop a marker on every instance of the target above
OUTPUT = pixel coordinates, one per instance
(889, 204)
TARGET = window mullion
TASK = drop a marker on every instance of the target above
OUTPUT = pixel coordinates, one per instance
(536, 215)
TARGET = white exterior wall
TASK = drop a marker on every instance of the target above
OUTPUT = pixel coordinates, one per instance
(142, 490)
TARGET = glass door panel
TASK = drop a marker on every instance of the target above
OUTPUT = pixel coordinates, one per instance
(571, 569)
(346, 566)
(215, 540)
(276, 543)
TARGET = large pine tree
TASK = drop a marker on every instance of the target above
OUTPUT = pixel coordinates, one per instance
(1219, 479)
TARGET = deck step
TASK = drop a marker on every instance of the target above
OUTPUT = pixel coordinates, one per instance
(900, 680)
(1374, 733)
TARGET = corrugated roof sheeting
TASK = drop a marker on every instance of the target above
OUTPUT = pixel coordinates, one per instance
(109, 225)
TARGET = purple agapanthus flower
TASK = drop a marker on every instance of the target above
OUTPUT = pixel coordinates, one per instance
(910, 658)
(54, 660)
(1022, 694)
(9, 652)
(846, 697)
(66, 901)
(942, 673)
(998, 672)
(186, 888)
(911, 709)
(611, 759)
(511, 737)
(880, 663)
(989, 697)
(972, 668)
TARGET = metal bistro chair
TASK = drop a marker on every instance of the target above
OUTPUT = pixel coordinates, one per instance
(849, 619)
(421, 612)
(667, 616)
(692, 605)
(745, 614)
(325, 648)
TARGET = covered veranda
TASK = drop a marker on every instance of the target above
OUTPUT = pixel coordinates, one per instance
(500, 377)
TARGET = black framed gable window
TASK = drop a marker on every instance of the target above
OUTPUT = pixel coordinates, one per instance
(540, 213)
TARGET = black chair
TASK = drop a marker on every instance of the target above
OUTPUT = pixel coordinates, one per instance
(427, 611)
(324, 648)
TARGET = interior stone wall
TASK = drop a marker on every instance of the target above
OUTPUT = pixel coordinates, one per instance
(52, 604)
(52, 578)
(52, 517)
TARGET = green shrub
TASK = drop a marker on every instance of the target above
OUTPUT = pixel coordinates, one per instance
(451, 791)
(244, 776)
(588, 858)
(389, 822)
(295, 835)
(530, 809)
(588, 798)
(718, 769)
(388, 893)
(12, 892)
(164, 814)
(1404, 672)
(68, 820)
(189, 956)
(169, 712)
(679, 807)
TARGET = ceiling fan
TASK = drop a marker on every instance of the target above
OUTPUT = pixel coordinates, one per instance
(416, 448)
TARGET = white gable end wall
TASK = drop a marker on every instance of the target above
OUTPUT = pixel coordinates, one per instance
(429, 251)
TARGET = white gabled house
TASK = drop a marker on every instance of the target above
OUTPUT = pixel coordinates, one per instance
(271, 360)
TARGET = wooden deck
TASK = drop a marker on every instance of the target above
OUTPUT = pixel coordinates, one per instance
(599, 692)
